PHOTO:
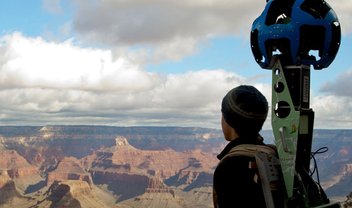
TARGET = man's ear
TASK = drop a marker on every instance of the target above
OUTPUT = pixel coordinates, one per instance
(229, 132)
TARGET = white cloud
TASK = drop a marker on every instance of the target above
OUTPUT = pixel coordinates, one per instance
(196, 89)
(174, 50)
(334, 108)
(332, 111)
(171, 29)
(156, 21)
(341, 86)
(34, 62)
(44, 82)
(61, 83)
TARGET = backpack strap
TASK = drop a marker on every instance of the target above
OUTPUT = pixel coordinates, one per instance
(267, 167)
(250, 150)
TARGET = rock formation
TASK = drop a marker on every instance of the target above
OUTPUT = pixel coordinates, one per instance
(69, 168)
(8, 192)
(123, 166)
(15, 165)
(74, 194)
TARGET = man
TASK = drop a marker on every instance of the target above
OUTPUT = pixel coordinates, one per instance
(244, 110)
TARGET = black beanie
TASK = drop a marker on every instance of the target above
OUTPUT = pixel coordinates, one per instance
(245, 109)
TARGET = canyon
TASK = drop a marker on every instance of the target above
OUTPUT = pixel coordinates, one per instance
(106, 166)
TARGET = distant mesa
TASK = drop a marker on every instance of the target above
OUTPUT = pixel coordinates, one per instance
(121, 142)
(46, 132)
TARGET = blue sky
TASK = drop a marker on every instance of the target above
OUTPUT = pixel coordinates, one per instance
(159, 62)
(31, 17)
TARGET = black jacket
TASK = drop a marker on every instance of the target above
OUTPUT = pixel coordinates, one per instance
(234, 182)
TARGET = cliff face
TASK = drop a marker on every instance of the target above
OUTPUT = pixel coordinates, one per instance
(348, 169)
(69, 168)
(72, 193)
(165, 163)
(15, 165)
(8, 192)
(129, 172)
(4, 178)
(122, 185)
(342, 182)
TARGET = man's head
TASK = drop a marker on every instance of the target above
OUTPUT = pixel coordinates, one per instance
(244, 109)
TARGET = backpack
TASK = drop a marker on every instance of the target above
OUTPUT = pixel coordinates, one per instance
(268, 171)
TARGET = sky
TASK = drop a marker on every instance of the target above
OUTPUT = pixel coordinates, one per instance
(145, 63)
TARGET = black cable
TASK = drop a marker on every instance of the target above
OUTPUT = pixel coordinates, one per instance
(315, 168)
